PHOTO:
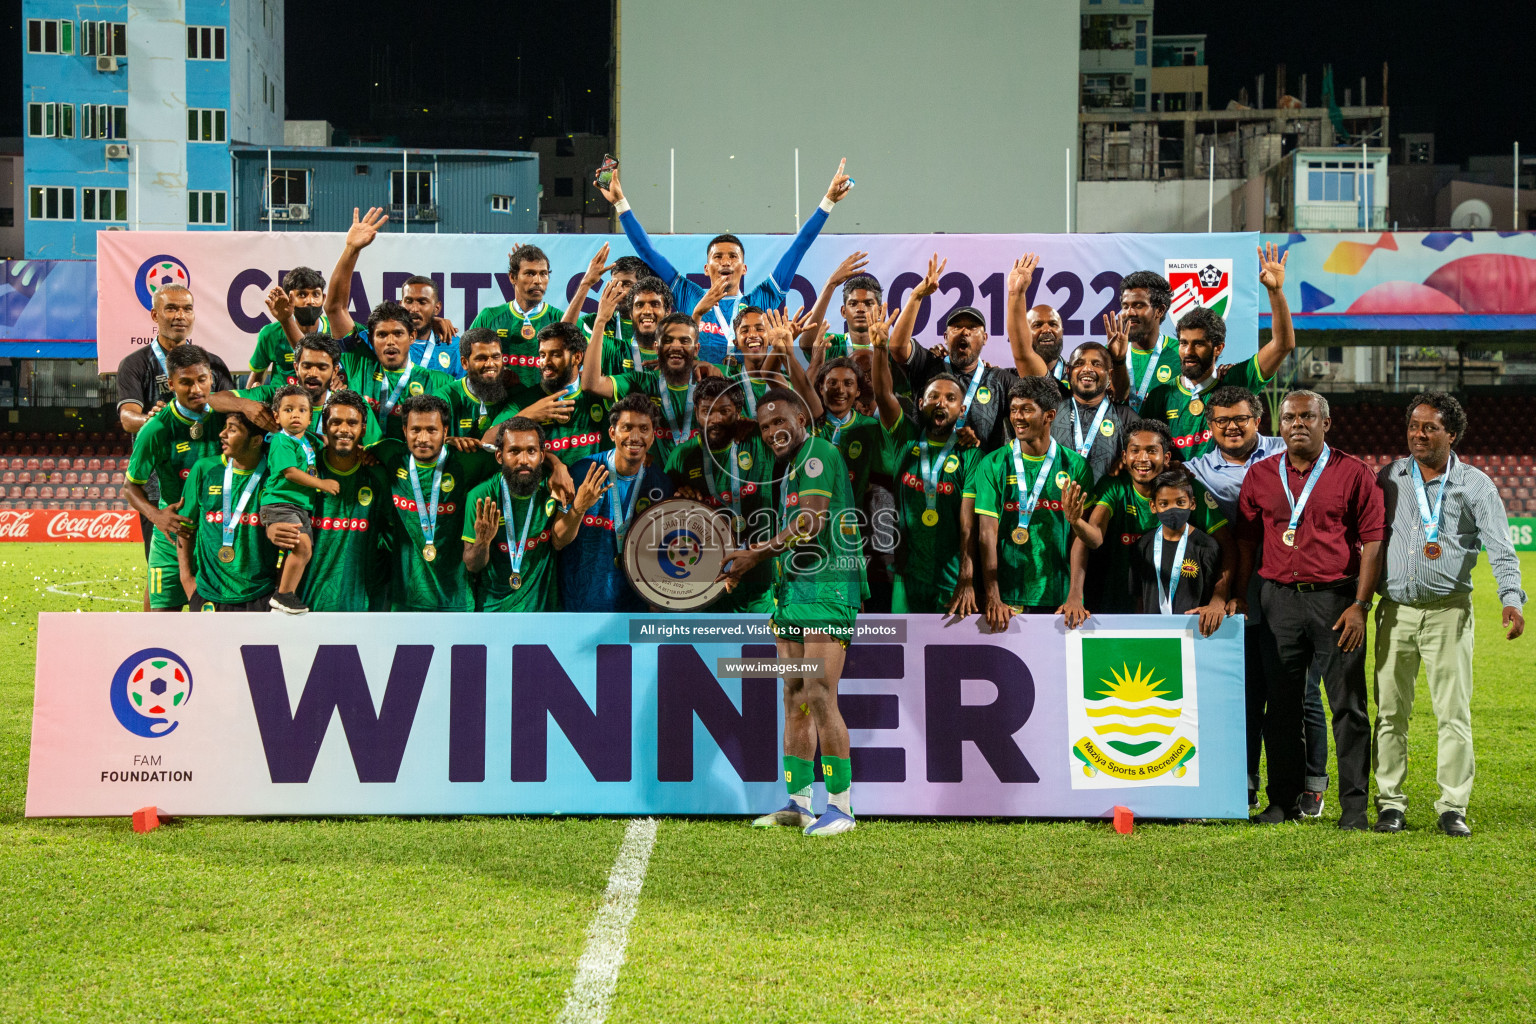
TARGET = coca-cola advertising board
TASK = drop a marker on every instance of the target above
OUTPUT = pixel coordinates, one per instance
(36, 524)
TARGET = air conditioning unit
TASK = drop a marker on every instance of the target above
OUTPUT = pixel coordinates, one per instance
(1122, 21)
(106, 63)
(114, 227)
(1122, 81)
(1317, 369)
(117, 151)
(298, 211)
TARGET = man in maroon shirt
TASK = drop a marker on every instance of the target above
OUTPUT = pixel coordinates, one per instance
(1319, 517)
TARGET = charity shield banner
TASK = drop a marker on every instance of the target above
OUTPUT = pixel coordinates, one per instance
(229, 272)
(604, 714)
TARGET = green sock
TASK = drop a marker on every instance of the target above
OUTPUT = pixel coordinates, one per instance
(798, 775)
(837, 772)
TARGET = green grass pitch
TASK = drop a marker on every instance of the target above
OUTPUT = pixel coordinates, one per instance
(483, 919)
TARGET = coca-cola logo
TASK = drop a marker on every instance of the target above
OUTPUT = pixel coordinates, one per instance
(101, 526)
(14, 523)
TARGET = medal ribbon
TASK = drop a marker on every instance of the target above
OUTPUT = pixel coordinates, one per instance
(187, 414)
(679, 434)
(427, 514)
(1165, 593)
(1299, 504)
(838, 425)
(528, 317)
(159, 354)
(388, 404)
(1142, 388)
(232, 516)
(1027, 507)
(930, 470)
(426, 353)
(709, 477)
(521, 547)
(1430, 517)
(1194, 392)
(1085, 446)
(725, 323)
(970, 393)
(621, 514)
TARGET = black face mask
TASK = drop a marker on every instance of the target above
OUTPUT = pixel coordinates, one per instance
(1174, 518)
(307, 316)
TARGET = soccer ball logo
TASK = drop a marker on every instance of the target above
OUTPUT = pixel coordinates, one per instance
(1210, 277)
(160, 272)
(149, 691)
(679, 553)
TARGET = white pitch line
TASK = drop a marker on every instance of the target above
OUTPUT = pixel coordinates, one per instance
(55, 589)
(597, 972)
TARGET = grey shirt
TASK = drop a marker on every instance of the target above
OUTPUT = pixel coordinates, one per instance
(1108, 439)
(1471, 516)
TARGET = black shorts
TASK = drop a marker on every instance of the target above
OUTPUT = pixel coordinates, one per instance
(288, 514)
(260, 604)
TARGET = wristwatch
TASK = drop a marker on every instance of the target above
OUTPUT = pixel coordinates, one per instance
(1366, 604)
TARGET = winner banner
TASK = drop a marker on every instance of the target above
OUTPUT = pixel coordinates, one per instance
(229, 272)
(588, 714)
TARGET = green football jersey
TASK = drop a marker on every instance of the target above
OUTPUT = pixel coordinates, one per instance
(165, 448)
(273, 348)
(367, 376)
(1130, 517)
(1164, 370)
(538, 590)
(439, 585)
(348, 529)
(1172, 403)
(253, 571)
(829, 567)
(747, 476)
(467, 415)
(838, 345)
(1036, 572)
(928, 550)
(678, 422)
(519, 335)
(287, 452)
(585, 433)
(864, 446)
(618, 345)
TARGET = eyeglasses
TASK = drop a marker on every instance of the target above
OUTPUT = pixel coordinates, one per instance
(1232, 421)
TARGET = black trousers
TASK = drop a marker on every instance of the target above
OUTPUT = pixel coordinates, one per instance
(1300, 629)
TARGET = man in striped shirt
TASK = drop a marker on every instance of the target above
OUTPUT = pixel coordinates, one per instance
(1439, 511)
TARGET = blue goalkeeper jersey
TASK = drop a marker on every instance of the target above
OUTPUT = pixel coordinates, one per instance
(591, 577)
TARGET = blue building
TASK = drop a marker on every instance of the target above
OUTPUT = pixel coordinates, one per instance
(131, 109)
(316, 188)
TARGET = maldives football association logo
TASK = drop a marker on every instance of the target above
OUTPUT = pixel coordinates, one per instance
(150, 690)
(159, 272)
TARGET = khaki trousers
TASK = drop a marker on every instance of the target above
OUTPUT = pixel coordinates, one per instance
(1438, 636)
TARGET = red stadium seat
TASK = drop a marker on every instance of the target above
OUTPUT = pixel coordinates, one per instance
(93, 464)
(101, 506)
(14, 494)
(1527, 459)
(77, 493)
(29, 492)
(93, 493)
(8, 477)
(53, 506)
(24, 477)
(49, 463)
(1522, 493)
(118, 478)
(71, 477)
(33, 463)
(45, 492)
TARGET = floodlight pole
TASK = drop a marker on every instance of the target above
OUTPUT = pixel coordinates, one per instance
(797, 190)
(672, 193)
(1516, 225)
(1068, 183)
(1210, 193)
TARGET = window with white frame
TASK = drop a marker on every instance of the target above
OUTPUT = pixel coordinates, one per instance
(205, 42)
(206, 207)
(51, 202)
(410, 187)
(51, 120)
(104, 204)
(1330, 181)
(103, 121)
(205, 125)
(288, 185)
(104, 38)
(48, 35)
(501, 204)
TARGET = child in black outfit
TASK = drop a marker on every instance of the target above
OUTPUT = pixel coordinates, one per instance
(1194, 583)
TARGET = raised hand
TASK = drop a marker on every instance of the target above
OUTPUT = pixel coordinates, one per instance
(853, 265)
(278, 303)
(613, 193)
(880, 326)
(712, 297)
(363, 231)
(841, 183)
(1117, 334)
(930, 282)
(779, 330)
(1073, 501)
(608, 302)
(487, 520)
(598, 266)
(1272, 266)
(550, 407)
(1022, 272)
(592, 488)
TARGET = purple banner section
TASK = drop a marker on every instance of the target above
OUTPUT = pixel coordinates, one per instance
(560, 714)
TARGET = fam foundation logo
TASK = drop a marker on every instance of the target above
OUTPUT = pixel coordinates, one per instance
(1131, 709)
(159, 272)
(150, 690)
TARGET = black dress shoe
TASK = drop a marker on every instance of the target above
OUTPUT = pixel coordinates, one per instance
(1274, 814)
(1454, 823)
(1391, 820)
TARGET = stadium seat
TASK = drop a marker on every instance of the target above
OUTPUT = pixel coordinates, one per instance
(93, 493)
(13, 494)
(55, 477)
(77, 493)
(8, 477)
(71, 477)
(93, 464)
(33, 463)
(48, 463)
(24, 477)
(45, 492)
(29, 492)
(119, 478)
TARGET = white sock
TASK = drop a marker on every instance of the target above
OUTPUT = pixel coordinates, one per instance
(842, 801)
(802, 799)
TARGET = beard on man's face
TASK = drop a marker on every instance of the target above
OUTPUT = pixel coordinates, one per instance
(521, 482)
(491, 392)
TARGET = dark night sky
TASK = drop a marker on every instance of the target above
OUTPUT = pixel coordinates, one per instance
(1462, 70)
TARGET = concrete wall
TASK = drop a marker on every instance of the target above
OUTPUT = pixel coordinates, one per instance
(1153, 205)
(945, 125)
(1500, 200)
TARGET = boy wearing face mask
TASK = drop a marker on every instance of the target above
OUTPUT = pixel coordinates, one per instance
(303, 288)
(1176, 569)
